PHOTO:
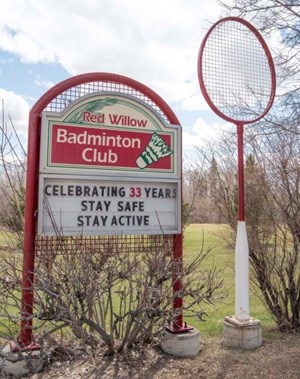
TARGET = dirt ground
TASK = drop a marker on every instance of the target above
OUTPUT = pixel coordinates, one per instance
(278, 358)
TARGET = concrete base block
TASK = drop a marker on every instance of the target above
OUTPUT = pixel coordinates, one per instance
(181, 345)
(20, 364)
(242, 334)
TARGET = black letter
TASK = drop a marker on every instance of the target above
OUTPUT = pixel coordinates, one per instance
(83, 205)
(46, 192)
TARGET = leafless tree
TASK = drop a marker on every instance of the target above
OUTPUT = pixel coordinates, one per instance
(278, 159)
(12, 181)
(272, 211)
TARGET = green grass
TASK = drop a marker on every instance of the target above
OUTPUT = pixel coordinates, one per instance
(211, 237)
(221, 256)
(8, 239)
(3, 238)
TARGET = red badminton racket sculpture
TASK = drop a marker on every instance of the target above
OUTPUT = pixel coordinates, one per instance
(237, 78)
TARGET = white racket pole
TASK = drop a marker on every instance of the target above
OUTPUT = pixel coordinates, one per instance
(241, 248)
(241, 273)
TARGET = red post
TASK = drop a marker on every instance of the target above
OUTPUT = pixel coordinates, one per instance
(177, 282)
(241, 191)
(26, 338)
(178, 325)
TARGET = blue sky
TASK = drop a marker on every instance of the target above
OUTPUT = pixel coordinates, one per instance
(155, 42)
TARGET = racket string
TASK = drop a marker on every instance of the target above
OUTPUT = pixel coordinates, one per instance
(236, 72)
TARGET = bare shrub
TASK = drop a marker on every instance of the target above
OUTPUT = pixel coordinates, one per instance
(108, 295)
(117, 296)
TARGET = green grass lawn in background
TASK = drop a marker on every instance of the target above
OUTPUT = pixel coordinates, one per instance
(3, 238)
(211, 236)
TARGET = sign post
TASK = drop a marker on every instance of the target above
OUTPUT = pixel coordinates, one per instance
(107, 161)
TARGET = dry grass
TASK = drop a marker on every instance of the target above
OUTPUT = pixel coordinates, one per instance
(278, 358)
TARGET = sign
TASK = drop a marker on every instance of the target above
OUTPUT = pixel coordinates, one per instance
(92, 207)
(109, 133)
(109, 165)
(106, 163)
(93, 147)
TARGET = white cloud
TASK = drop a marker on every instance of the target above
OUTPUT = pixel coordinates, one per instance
(24, 46)
(195, 102)
(43, 83)
(153, 41)
(201, 133)
(16, 110)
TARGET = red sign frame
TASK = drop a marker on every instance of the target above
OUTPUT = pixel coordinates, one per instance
(34, 168)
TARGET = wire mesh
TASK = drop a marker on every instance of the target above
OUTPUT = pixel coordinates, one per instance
(54, 246)
(47, 246)
(236, 71)
(65, 98)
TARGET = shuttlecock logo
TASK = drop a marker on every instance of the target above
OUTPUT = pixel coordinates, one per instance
(155, 150)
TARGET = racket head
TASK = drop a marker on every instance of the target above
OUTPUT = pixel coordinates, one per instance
(236, 71)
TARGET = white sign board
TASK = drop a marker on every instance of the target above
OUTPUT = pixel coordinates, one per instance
(93, 207)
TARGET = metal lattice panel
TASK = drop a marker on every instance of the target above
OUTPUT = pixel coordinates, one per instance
(75, 93)
(53, 246)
